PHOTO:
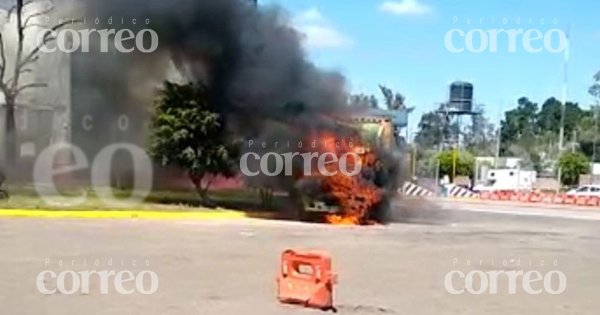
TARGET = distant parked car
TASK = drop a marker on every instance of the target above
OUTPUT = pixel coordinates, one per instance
(585, 190)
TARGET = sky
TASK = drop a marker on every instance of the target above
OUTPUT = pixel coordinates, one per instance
(401, 44)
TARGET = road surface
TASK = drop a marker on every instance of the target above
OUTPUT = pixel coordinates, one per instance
(229, 267)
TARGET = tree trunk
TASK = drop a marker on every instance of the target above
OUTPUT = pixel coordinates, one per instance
(10, 136)
(197, 181)
(202, 191)
(266, 198)
(10, 149)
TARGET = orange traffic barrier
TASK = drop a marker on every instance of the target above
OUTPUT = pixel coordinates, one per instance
(558, 199)
(569, 200)
(305, 278)
(494, 196)
(581, 200)
(548, 198)
(535, 197)
(540, 197)
(593, 201)
(524, 197)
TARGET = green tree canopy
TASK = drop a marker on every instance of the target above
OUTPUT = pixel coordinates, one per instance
(532, 133)
(549, 117)
(188, 133)
(595, 88)
(481, 137)
(465, 163)
(363, 100)
(573, 165)
(392, 101)
(520, 124)
(432, 130)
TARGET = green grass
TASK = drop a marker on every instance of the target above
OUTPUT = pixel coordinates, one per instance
(231, 199)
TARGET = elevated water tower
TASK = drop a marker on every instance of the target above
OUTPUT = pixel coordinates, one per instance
(461, 98)
(459, 104)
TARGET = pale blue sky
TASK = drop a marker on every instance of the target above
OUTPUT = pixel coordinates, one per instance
(401, 44)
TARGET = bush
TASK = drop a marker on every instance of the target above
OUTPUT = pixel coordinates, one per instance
(464, 163)
(572, 165)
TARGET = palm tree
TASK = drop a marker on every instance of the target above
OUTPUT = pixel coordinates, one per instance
(392, 101)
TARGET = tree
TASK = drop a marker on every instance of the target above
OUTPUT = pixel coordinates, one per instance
(595, 115)
(587, 133)
(464, 163)
(433, 129)
(481, 137)
(523, 132)
(364, 101)
(595, 88)
(519, 124)
(573, 164)
(549, 117)
(188, 133)
(11, 75)
(392, 101)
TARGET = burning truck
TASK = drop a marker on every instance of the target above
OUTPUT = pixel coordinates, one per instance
(345, 173)
(361, 196)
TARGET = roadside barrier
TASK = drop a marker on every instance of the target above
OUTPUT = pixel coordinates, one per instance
(454, 191)
(410, 189)
(538, 197)
(306, 278)
(460, 192)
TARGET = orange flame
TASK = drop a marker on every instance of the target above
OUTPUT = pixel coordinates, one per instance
(342, 220)
(355, 197)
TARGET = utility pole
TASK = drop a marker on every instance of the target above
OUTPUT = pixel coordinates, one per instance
(561, 135)
(414, 161)
(574, 141)
(594, 139)
(437, 171)
(440, 144)
(413, 165)
(456, 152)
(595, 135)
(454, 159)
(498, 140)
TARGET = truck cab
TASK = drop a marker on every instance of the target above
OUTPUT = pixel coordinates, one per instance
(374, 133)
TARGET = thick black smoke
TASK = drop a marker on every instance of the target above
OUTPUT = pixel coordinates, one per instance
(251, 57)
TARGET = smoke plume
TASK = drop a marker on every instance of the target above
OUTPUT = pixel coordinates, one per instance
(250, 57)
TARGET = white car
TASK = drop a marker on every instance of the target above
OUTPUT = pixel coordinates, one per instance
(585, 190)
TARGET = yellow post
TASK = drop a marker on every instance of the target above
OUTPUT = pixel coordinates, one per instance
(454, 158)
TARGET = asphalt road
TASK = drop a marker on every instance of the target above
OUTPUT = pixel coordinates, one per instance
(229, 267)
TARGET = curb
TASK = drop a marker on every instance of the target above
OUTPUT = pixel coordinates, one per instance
(122, 214)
